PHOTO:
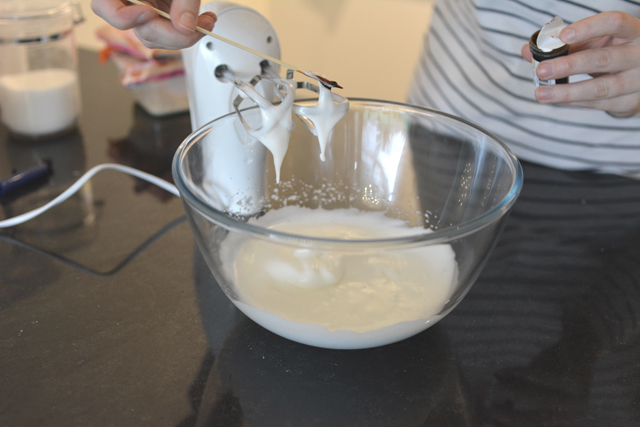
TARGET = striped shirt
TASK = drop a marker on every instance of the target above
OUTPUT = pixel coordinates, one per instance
(569, 257)
(471, 67)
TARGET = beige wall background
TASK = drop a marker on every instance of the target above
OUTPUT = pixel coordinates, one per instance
(369, 46)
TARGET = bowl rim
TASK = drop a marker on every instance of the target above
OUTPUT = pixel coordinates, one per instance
(437, 236)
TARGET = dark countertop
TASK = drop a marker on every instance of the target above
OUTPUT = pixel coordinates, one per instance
(110, 317)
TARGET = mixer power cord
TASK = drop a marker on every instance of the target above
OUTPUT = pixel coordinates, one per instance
(165, 185)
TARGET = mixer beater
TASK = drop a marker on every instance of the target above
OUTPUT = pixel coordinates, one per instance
(221, 77)
(319, 119)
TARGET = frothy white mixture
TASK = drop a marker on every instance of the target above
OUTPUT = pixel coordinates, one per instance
(336, 298)
(277, 125)
(324, 116)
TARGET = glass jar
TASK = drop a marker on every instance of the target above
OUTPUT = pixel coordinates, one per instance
(39, 89)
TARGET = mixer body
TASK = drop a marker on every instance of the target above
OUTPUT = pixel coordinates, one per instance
(211, 97)
(222, 78)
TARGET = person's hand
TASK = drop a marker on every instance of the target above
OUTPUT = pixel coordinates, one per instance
(153, 30)
(606, 46)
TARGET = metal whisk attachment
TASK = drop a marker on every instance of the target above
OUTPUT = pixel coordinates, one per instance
(285, 91)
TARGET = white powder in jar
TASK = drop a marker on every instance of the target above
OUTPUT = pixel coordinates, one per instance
(40, 102)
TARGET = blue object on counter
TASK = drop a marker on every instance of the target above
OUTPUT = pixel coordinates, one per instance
(24, 177)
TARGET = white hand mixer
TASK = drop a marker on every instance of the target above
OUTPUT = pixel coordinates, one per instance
(220, 76)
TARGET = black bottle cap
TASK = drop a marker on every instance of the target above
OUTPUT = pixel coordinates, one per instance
(539, 55)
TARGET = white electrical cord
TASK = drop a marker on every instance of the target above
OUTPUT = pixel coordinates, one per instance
(165, 185)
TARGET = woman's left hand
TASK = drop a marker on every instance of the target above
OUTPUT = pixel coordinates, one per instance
(606, 46)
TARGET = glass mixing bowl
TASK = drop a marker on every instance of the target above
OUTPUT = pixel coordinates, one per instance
(448, 179)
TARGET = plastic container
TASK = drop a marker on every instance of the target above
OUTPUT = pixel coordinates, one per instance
(39, 89)
(163, 97)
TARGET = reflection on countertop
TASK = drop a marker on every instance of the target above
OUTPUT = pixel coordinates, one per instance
(150, 146)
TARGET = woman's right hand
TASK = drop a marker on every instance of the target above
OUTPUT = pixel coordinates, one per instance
(606, 46)
(153, 30)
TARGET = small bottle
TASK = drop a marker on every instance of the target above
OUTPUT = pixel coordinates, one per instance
(539, 56)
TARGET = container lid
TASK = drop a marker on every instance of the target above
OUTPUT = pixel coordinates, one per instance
(33, 9)
(22, 20)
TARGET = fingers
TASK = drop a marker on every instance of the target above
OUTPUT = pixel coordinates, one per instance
(603, 87)
(526, 53)
(591, 61)
(618, 94)
(163, 34)
(617, 24)
(207, 20)
(184, 15)
(603, 43)
(153, 30)
(122, 16)
(596, 43)
(624, 106)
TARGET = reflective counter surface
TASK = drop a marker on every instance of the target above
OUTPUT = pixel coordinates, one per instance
(110, 317)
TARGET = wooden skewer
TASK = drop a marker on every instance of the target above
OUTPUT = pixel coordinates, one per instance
(324, 81)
